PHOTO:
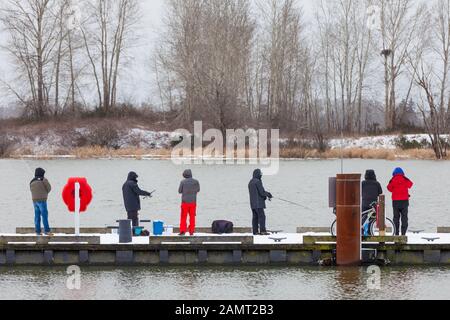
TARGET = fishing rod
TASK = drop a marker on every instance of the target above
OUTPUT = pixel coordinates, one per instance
(151, 195)
(294, 203)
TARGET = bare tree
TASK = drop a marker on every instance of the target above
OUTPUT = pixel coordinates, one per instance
(284, 58)
(429, 65)
(177, 53)
(325, 54)
(399, 27)
(344, 47)
(206, 51)
(32, 28)
(44, 48)
(107, 33)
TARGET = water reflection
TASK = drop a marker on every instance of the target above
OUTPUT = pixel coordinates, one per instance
(225, 283)
(346, 282)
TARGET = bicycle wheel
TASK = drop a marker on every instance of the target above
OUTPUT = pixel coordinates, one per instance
(334, 228)
(390, 228)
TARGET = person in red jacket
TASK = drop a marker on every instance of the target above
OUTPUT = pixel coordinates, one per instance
(399, 187)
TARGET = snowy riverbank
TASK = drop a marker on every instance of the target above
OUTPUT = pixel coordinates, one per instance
(388, 142)
(140, 142)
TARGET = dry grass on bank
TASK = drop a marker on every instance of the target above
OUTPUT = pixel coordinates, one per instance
(98, 152)
(419, 154)
(95, 153)
(357, 153)
(285, 153)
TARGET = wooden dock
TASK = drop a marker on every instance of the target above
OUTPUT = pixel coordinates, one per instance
(235, 251)
(240, 249)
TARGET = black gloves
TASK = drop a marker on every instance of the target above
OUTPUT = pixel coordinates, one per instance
(269, 195)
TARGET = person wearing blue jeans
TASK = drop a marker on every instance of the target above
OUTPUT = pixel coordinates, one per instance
(41, 211)
(40, 189)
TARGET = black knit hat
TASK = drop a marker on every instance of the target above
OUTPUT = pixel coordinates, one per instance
(39, 173)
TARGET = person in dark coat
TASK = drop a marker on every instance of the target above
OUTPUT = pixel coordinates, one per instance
(399, 186)
(131, 197)
(258, 197)
(371, 190)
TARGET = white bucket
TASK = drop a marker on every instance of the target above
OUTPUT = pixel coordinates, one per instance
(168, 230)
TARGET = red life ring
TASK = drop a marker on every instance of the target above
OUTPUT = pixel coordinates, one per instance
(68, 194)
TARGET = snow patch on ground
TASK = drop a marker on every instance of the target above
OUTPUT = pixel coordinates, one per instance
(48, 142)
(51, 142)
(379, 142)
(148, 139)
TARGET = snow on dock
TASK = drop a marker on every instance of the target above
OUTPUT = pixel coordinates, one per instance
(284, 238)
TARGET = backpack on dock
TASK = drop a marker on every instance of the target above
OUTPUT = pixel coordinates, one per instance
(222, 227)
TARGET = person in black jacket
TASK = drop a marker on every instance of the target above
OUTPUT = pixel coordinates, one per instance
(131, 193)
(258, 197)
(371, 190)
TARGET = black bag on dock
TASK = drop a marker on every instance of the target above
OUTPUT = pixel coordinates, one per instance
(222, 227)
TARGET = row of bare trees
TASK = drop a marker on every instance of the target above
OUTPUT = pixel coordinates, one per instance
(216, 63)
(206, 52)
(60, 45)
(354, 66)
(428, 66)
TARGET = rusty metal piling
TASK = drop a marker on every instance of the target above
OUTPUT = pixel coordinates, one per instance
(348, 210)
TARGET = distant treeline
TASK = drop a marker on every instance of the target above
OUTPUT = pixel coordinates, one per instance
(356, 66)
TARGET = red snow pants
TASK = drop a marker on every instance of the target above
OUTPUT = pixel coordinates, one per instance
(188, 209)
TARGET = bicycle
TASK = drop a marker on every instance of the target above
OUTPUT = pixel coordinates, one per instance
(369, 223)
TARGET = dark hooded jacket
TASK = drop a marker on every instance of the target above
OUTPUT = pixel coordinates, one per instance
(258, 194)
(131, 193)
(371, 190)
(39, 186)
(189, 188)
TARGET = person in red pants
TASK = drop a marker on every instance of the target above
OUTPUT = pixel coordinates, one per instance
(189, 188)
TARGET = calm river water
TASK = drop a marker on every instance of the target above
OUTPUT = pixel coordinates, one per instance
(224, 196)
(225, 283)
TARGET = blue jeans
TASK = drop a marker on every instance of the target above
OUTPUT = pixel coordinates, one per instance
(40, 210)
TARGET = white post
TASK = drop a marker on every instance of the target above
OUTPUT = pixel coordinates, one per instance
(77, 209)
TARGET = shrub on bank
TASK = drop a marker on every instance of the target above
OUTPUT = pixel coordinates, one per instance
(102, 136)
(6, 145)
(404, 143)
(318, 143)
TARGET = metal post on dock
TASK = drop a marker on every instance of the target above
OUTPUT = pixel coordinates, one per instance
(348, 210)
(77, 209)
(332, 193)
(382, 215)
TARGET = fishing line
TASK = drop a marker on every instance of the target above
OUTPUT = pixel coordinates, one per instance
(294, 203)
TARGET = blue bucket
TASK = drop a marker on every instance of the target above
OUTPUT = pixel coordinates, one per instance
(158, 228)
(138, 231)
